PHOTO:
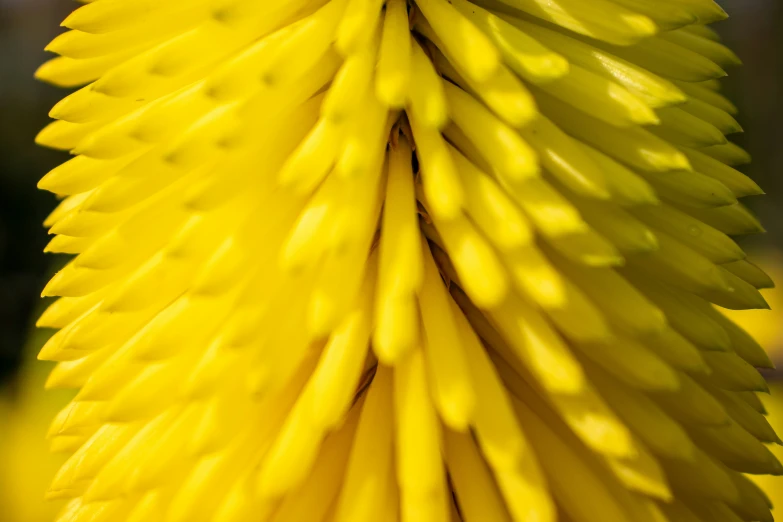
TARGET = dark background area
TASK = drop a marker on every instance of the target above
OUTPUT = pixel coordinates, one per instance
(755, 32)
(26, 26)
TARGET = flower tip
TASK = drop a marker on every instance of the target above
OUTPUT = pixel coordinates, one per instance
(457, 410)
(55, 349)
(43, 184)
(321, 316)
(57, 135)
(645, 116)
(82, 18)
(718, 13)
(64, 444)
(47, 72)
(42, 322)
(42, 138)
(522, 114)
(57, 380)
(735, 128)
(548, 67)
(72, 20)
(392, 91)
(436, 116)
(674, 97)
(80, 149)
(751, 298)
(732, 59)
(649, 242)
(55, 429)
(680, 162)
(44, 354)
(642, 26)
(445, 207)
(50, 290)
(390, 347)
(492, 293)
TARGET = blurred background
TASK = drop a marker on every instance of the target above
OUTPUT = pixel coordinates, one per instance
(755, 32)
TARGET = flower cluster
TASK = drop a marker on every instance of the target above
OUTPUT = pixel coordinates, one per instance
(423, 260)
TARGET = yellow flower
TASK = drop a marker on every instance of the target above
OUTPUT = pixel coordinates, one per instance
(353, 260)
